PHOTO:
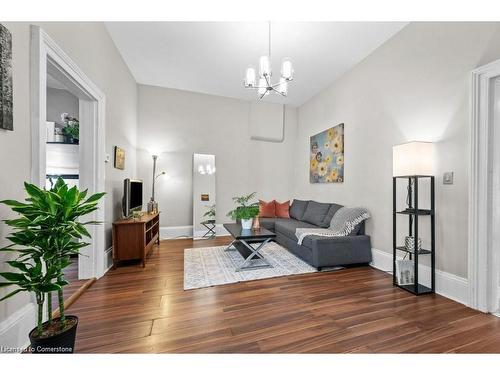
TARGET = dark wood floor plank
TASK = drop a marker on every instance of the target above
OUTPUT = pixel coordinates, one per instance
(354, 310)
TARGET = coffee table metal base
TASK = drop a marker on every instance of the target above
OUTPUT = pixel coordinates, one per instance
(248, 252)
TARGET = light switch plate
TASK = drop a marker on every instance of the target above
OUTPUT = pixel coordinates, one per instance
(108, 158)
(448, 178)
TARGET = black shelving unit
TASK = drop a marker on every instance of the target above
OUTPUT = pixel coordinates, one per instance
(413, 213)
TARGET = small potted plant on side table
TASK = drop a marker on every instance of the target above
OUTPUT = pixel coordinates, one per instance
(245, 211)
(47, 232)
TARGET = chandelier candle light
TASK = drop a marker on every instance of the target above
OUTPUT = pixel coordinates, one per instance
(264, 85)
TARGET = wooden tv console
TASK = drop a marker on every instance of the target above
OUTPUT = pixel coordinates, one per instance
(134, 238)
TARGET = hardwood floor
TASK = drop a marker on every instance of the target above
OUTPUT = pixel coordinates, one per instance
(357, 310)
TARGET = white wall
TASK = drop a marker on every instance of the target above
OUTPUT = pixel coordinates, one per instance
(414, 87)
(61, 101)
(91, 47)
(179, 123)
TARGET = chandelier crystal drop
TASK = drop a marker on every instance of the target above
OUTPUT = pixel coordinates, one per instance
(263, 83)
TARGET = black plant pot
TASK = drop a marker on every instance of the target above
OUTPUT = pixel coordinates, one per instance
(61, 343)
(69, 139)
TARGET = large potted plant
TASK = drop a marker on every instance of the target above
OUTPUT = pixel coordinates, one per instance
(44, 237)
(245, 211)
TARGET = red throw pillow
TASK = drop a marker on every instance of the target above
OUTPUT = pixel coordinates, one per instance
(267, 209)
(283, 209)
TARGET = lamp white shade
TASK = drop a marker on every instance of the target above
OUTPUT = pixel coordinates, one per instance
(413, 159)
(264, 66)
(250, 79)
(287, 70)
(283, 86)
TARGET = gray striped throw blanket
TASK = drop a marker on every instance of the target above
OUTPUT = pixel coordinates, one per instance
(343, 223)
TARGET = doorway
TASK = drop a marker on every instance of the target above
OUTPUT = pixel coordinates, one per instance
(484, 190)
(50, 65)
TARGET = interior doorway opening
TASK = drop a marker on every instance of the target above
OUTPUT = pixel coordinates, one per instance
(51, 66)
(62, 156)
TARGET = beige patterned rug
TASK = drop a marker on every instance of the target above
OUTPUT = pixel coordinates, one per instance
(208, 266)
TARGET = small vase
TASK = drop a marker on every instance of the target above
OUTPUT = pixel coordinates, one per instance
(410, 244)
(246, 224)
(256, 224)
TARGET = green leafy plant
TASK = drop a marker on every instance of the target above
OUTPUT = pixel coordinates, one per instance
(210, 213)
(44, 237)
(244, 209)
(72, 128)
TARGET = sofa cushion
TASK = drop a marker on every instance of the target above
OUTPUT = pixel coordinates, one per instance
(267, 209)
(283, 209)
(298, 208)
(287, 227)
(329, 215)
(316, 213)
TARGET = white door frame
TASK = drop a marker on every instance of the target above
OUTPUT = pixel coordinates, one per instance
(484, 189)
(47, 56)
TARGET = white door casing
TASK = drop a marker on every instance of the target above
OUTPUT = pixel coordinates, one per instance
(484, 189)
(48, 58)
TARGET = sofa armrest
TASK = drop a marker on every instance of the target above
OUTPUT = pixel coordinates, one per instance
(341, 250)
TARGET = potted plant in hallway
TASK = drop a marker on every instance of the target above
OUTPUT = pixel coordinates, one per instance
(44, 237)
(72, 128)
(245, 211)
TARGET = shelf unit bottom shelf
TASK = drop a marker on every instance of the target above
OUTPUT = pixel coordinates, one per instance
(421, 289)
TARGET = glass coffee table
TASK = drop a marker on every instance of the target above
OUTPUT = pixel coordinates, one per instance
(248, 243)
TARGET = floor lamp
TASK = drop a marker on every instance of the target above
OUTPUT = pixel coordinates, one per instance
(152, 204)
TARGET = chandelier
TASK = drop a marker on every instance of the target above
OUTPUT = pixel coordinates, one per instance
(265, 86)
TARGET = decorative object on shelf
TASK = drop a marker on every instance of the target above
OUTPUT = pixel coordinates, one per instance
(410, 244)
(71, 129)
(404, 272)
(256, 223)
(47, 217)
(245, 211)
(264, 86)
(152, 204)
(413, 162)
(59, 136)
(119, 158)
(326, 161)
(6, 99)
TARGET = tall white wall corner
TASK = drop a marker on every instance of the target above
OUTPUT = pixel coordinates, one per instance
(15, 328)
(448, 285)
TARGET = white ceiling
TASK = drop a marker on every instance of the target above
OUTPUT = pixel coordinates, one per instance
(211, 57)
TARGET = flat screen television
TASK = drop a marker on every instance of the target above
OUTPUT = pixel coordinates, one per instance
(132, 196)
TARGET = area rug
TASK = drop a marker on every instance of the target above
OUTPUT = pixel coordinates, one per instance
(208, 266)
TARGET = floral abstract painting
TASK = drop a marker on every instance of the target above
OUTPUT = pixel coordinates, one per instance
(327, 156)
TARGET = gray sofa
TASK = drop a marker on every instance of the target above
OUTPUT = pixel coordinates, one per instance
(319, 251)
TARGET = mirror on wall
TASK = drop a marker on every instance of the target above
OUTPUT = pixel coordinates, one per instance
(204, 199)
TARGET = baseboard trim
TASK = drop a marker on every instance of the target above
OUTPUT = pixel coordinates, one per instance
(448, 285)
(15, 328)
(168, 233)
